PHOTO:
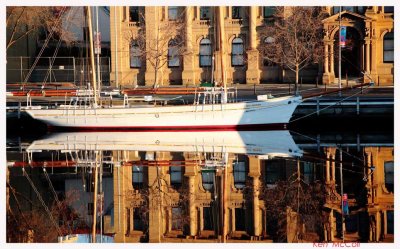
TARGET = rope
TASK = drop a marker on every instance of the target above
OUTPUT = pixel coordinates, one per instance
(56, 198)
(329, 106)
(42, 201)
(45, 44)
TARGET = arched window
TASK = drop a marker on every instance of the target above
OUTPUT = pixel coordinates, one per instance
(388, 47)
(237, 52)
(239, 174)
(269, 11)
(207, 178)
(135, 55)
(175, 173)
(205, 53)
(173, 13)
(389, 176)
(173, 54)
(205, 13)
(134, 13)
(237, 12)
(137, 176)
(267, 42)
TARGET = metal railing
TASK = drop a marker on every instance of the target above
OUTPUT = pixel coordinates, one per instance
(62, 69)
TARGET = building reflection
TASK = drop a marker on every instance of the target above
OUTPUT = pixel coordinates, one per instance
(218, 195)
(170, 198)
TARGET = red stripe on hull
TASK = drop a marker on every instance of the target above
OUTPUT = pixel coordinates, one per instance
(253, 127)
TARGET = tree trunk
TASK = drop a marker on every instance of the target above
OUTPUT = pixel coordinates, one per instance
(296, 86)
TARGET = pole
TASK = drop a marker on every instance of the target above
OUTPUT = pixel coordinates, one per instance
(221, 49)
(95, 199)
(341, 192)
(92, 65)
(102, 201)
(340, 51)
(99, 46)
(116, 46)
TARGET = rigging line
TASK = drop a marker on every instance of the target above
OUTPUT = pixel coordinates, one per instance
(42, 201)
(45, 44)
(59, 205)
(337, 145)
(56, 51)
(329, 106)
(19, 205)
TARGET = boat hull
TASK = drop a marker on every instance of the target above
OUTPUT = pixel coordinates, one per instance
(262, 114)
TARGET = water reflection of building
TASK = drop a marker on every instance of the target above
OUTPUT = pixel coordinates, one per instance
(178, 202)
(371, 196)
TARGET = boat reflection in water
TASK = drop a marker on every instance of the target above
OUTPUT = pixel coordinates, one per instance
(227, 186)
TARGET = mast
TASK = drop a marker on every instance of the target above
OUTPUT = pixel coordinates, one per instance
(116, 45)
(98, 48)
(92, 65)
(221, 35)
(95, 198)
(340, 51)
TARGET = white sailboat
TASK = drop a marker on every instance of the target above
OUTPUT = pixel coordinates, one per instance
(215, 113)
(264, 144)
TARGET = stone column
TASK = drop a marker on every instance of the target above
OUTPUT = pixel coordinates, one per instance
(326, 61)
(367, 55)
(327, 169)
(190, 173)
(255, 173)
(332, 221)
(253, 72)
(233, 218)
(332, 59)
(152, 21)
(155, 204)
(131, 220)
(378, 226)
(333, 165)
(374, 72)
(192, 206)
(188, 58)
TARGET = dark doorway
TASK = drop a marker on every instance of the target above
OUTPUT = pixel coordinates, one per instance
(351, 52)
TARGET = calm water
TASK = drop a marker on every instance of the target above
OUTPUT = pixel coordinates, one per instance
(256, 186)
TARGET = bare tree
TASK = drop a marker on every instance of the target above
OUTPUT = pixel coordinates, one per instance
(165, 44)
(23, 21)
(293, 205)
(295, 38)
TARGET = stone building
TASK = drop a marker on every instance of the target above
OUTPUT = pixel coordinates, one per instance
(178, 201)
(369, 52)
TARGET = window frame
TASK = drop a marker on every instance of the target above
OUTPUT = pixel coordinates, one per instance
(130, 16)
(134, 44)
(237, 55)
(209, 13)
(390, 50)
(172, 9)
(239, 13)
(209, 56)
(173, 54)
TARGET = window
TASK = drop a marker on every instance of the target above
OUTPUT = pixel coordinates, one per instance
(269, 11)
(134, 14)
(237, 52)
(390, 221)
(137, 176)
(208, 220)
(267, 41)
(236, 12)
(176, 218)
(175, 173)
(239, 174)
(135, 55)
(240, 219)
(90, 208)
(308, 172)
(273, 172)
(337, 8)
(137, 220)
(205, 53)
(204, 13)
(207, 178)
(388, 9)
(173, 13)
(173, 54)
(389, 176)
(388, 47)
